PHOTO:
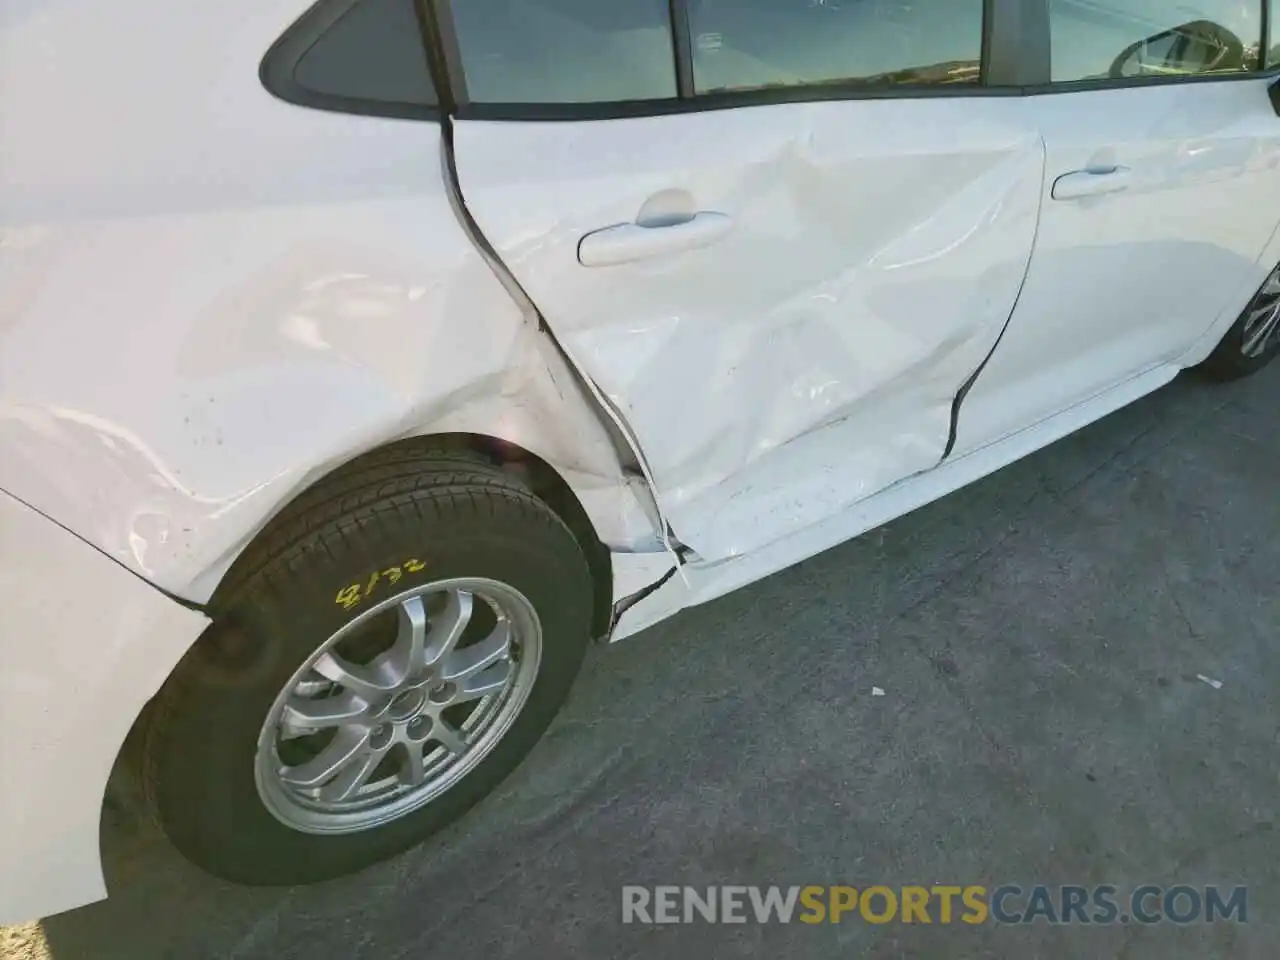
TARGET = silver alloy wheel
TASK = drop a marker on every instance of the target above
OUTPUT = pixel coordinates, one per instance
(1262, 327)
(358, 738)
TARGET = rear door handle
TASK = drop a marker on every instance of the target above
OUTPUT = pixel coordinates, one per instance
(1093, 182)
(631, 241)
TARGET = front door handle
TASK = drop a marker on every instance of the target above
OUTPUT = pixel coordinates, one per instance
(633, 241)
(1092, 182)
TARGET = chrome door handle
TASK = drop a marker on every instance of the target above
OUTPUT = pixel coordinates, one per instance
(632, 241)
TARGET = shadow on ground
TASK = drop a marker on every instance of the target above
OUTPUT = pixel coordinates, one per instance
(1038, 639)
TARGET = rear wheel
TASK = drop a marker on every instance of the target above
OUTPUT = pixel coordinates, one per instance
(382, 665)
(1254, 340)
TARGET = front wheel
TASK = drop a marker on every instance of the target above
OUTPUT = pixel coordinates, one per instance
(1254, 340)
(384, 666)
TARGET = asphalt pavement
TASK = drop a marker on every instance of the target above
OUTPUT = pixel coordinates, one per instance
(1065, 674)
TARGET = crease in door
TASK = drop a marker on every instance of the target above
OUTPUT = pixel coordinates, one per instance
(967, 386)
(630, 454)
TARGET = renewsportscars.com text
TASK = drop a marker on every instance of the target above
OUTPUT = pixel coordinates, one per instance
(937, 903)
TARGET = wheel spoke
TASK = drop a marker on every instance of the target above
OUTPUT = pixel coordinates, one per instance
(302, 716)
(352, 777)
(406, 656)
(1260, 335)
(464, 663)
(447, 628)
(1272, 285)
(312, 685)
(484, 682)
(349, 746)
(367, 683)
(414, 770)
(448, 737)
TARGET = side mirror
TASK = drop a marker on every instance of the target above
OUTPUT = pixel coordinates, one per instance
(1197, 47)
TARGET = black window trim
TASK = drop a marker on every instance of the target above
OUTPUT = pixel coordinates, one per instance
(1016, 62)
(443, 55)
(682, 49)
(1087, 86)
(1264, 51)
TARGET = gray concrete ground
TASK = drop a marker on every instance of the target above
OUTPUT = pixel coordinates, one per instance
(1038, 639)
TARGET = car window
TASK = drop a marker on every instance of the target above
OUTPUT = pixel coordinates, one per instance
(374, 51)
(565, 51)
(1128, 39)
(755, 44)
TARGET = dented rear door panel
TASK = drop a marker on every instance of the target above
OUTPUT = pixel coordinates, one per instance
(860, 262)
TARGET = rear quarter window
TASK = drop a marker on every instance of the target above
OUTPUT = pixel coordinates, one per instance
(360, 56)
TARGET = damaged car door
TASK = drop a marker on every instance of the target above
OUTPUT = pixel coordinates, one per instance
(1161, 196)
(780, 253)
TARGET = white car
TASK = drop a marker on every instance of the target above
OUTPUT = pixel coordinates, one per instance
(360, 364)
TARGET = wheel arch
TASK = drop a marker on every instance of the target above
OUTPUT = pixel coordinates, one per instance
(125, 787)
(535, 472)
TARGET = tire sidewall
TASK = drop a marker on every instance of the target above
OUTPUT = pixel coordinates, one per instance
(206, 793)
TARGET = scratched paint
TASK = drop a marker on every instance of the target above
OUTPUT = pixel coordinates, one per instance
(808, 357)
(209, 301)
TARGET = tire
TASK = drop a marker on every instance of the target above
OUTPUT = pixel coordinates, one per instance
(1238, 355)
(208, 751)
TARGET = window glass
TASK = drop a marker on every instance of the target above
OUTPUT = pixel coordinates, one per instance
(565, 51)
(1125, 39)
(754, 44)
(1273, 42)
(373, 52)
